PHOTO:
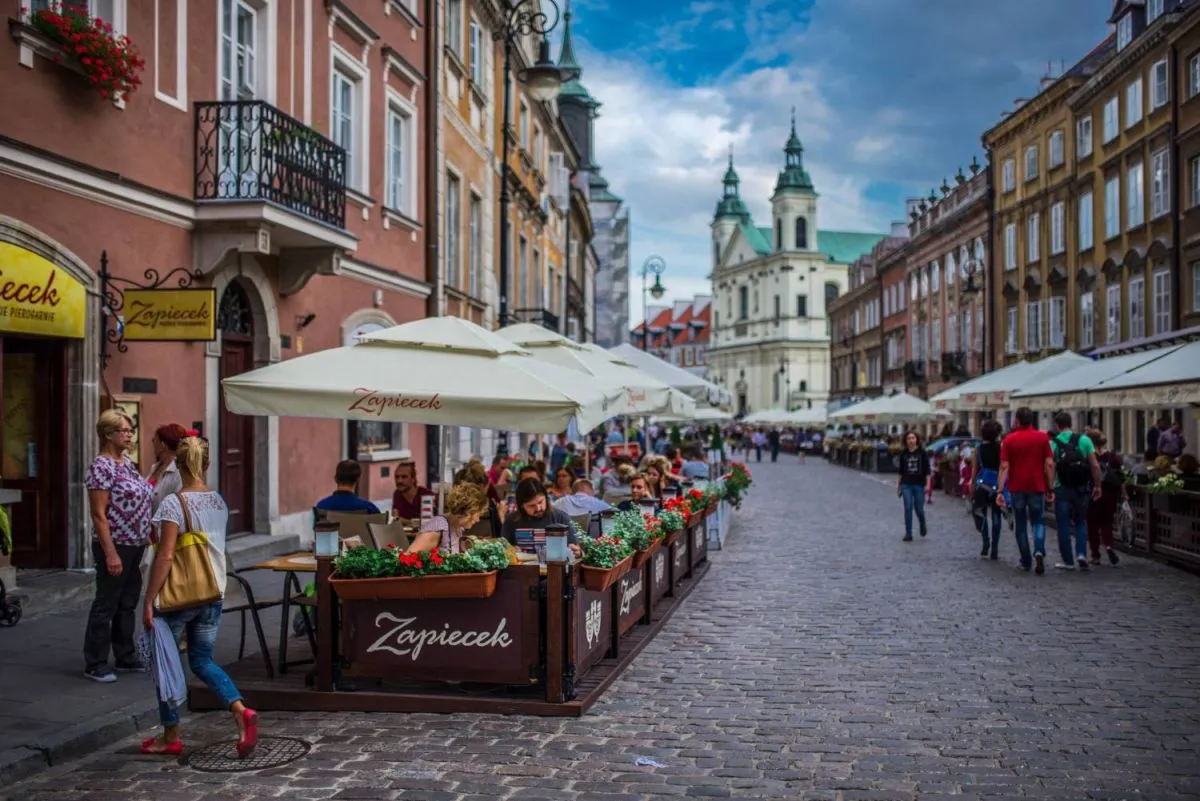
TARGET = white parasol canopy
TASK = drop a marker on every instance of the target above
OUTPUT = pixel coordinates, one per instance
(677, 377)
(641, 397)
(1078, 388)
(807, 417)
(766, 416)
(438, 371)
(1170, 381)
(705, 414)
(889, 409)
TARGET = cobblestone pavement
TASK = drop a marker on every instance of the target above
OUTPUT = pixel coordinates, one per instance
(822, 658)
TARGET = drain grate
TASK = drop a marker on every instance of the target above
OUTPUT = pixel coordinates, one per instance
(271, 753)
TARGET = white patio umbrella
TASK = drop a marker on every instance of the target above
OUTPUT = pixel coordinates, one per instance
(807, 417)
(1170, 381)
(677, 402)
(438, 371)
(992, 391)
(766, 416)
(1080, 388)
(705, 414)
(898, 408)
(677, 377)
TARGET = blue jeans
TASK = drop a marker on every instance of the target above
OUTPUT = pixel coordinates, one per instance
(1029, 508)
(1070, 514)
(991, 539)
(914, 501)
(201, 625)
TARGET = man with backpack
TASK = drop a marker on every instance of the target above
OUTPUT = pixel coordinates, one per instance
(1076, 483)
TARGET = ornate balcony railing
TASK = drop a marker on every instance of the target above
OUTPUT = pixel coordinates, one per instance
(914, 372)
(538, 316)
(954, 365)
(248, 150)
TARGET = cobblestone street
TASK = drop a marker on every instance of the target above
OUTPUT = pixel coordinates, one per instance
(821, 658)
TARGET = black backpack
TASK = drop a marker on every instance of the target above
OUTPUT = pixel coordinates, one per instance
(1070, 464)
(1110, 474)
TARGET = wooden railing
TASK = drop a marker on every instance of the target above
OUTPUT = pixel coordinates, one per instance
(1167, 525)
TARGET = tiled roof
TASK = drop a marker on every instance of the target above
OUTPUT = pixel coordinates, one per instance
(844, 247)
(667, 328)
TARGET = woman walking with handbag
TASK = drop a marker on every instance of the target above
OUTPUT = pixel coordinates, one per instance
(186, 584)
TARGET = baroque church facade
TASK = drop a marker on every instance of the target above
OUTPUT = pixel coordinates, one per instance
(771, 285)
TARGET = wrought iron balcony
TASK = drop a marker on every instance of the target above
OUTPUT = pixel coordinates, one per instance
(538, 316)
(248, 150)
(914, 372)
(954, 365)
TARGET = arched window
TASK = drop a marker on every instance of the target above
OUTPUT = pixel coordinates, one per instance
(716, 253)
(801, 233)
(779, 234)
(831, 293)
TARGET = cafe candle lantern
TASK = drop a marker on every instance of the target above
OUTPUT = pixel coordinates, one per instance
(326, 542)
(671, 491)
(607, 521)
(556, 543)
(648, 505)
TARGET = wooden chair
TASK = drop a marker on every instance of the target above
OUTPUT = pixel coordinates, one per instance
(483, 528)
(354, 524)
(385, 534)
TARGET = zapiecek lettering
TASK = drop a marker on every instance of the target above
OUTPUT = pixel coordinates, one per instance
(150, 316)
(33, 294)
(630, 590)
(370, 401)
(404, 640)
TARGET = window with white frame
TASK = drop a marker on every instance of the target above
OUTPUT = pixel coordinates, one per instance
(1083, 138)
(1112, 207)
(952, 332)
(346, 124)
(1031, 162)
(454, 26)
(1154, 10)
(1058, 222)
(966, 330)
(1135, 197)
(1194, 75)
(399, 194)
(1010, 331)
(475, 245)
(1033, 326)
(935, 276)
(1159, 87)
(523, 272)
(935, 334)
(1196, 286)
(1194, 181)
(951, 269)
(1010, 246)
(1033, 243)
(1133, 103)
(1137, 307)
(1008, 175)
(239, 44)
(476, 53)
(1111, 121)
(1058, 322)
(523, 124)
(912, 286)
(452, 273)
(1057, 155)
(887, 302)
(1087, 319)
(1112, 314)
(1125, 30)
(1087, 224)
(1161, 293)
(979, 329)
(1160, 184)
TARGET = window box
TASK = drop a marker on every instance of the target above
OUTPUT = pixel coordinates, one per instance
(43, 33)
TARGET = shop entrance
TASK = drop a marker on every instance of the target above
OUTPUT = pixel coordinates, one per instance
(33, 424)
(236, 435)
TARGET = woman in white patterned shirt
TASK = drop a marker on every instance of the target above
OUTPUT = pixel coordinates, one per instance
(465, 505)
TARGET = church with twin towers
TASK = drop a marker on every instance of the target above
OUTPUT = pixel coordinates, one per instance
(771, 284)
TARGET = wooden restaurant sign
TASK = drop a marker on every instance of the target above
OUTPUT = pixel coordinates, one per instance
(39, 297)
(170, 315)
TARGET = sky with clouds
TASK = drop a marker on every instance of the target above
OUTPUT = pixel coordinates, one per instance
(891, 97)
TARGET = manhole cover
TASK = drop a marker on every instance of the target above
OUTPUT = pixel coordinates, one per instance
(271, 753)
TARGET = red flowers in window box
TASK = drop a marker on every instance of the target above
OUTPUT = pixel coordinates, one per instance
(110, 62)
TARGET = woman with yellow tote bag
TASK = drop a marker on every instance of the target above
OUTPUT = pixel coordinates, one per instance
(186, 585)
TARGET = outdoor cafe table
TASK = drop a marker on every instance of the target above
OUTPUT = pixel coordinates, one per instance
(290, 565)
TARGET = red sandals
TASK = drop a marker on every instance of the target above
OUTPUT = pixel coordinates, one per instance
(249, 738)
(164, 749)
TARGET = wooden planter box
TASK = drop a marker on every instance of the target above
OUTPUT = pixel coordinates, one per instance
(670, 537)
(641, 557)
(420, 588)
(599, 579)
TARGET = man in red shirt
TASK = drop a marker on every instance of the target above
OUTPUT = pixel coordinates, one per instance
(406, 500)
(1027, 471)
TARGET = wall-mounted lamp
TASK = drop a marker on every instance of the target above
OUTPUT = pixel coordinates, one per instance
(304, 321)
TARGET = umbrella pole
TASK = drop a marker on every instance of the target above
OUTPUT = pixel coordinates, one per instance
(442, 462)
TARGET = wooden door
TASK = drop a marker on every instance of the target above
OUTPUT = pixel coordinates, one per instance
(32, 440)
(236, 441)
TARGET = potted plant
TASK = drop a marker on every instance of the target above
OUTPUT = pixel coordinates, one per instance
(639, 531)
(736, 482)
(671, 521)
(605, 560)
(366, 574)
(111, 63)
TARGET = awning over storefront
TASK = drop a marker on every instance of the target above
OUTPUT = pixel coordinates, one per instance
(1172, 380)
(947, 398)
(1070, 390)
(992, 391)
(899, 408)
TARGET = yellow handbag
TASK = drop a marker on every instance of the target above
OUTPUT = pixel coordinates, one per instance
(191, 581)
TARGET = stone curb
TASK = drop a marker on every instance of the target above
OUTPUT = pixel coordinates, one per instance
(75, 741)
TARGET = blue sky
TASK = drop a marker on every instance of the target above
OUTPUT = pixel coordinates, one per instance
(891, 97)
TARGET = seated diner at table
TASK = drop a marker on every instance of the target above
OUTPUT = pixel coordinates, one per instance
(639, 490)
(563, 479)
(694, 466)
(406, 500)
(465, 504)
(535, 512)
(345, 496)
(474, 473)
(658, 473)
(582, 500)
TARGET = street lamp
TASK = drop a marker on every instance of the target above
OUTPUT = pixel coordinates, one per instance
(544, 80)
(655, 265)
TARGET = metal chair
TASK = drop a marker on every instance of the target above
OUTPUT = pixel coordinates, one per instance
(239, 597)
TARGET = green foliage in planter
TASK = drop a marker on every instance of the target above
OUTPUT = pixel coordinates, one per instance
(483, 556)
(630, 528)
(604, 552)
(1169, 484)
(670, 520)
